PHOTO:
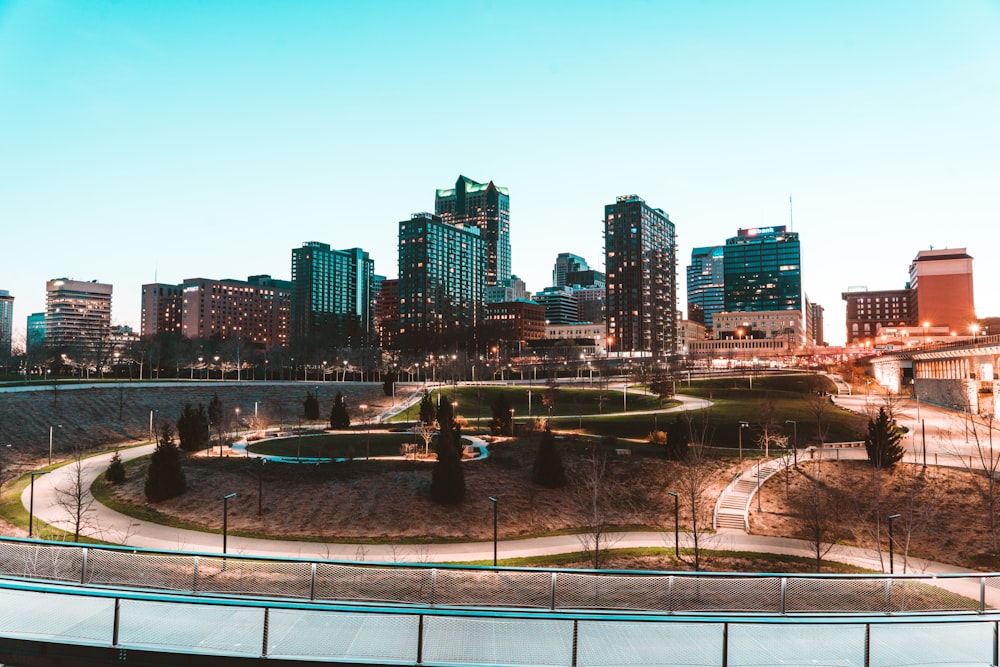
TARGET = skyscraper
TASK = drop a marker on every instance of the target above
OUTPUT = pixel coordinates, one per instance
(441, 279)
(255, 311)
(161, 309)
(77, 317)
(762, 271)
(486, 206)
(941, 288)
(640, 246)
(6, 322)
(706, 289)
(566, 262)
(332, 296)
(35, 332)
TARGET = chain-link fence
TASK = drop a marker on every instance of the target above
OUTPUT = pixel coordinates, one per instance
(455, 586)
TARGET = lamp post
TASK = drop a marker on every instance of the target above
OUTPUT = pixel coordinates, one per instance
(364, 412)
(512, 422)
(795, 439)
(237, 423)
(974, 328)
(494, 501)
(225, 518)
(758, 485)
(220, 367)
(260, 487)
(892, 544)
(743, 425)
(31, 503)
(677, 525)
(51, 428)
(926, 324)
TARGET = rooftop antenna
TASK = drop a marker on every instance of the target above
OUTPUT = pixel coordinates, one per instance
(791, 217)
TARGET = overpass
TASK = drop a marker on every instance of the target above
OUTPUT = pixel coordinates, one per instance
(964, 376)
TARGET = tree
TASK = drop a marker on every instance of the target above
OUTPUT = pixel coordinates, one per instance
(594, 489)
(696, 476)
(115, 474)
(427, 409)
(502, 417)
(447, 478)
(219, 420)
(768, 430)
(311, 406)
(548, 470)
(192, 428)
(165, 478)
(817, 507)
(75, 497)
(389, 383)
(339, 417)
(663, 387)
(884, 441)
(550, 395)
(426, 433)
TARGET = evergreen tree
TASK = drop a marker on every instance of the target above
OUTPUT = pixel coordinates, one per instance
(427, 409)
(884, 441)
(339, 417)
(311, 406)
(215, 410)
(500, 424)
(192, 428)
(447, 478)
(115, 474)
(165, 478)
(548, 470)
(389, 383)
(678, 437)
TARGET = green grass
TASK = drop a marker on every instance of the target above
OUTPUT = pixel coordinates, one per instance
(337, 446)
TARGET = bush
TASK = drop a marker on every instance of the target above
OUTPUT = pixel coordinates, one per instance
(192, 428)
(165, 478)
(548, 470)
(339, 417)
(310, 407)
(115, 474)
(448, 478)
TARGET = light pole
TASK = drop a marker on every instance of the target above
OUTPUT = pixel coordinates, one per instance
(795, 439)
(892, 544)
(31, 503)
(743, 425)
(677, 525)
(51, 428)
(512, 422)
(758, 485)
(364, 412)
(225, 518)
(237, 423)
(220, 367)
(260, 487)
(494, 501)
(975, 330)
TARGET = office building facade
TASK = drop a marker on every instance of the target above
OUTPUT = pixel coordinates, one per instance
(762, 270)
(256, 311)
(441, 280)
(77, 316)
(706, 286)
(566, 263)
(867, 311)
(6, 323)
(35, 332)
(332, 296)
(641, 263)
(941, 289)
(162, 307)
(487, 207)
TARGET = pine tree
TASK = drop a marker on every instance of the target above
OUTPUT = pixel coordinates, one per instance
(548, 470)
(883, 441)
(427, 409)
(339, 417)
(389, 383)
(448, 478)
(115, 474)
(192, 428)
(310, 406)
(500, 424)
(165, 478)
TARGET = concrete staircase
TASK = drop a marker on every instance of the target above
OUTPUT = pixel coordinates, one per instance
(731, 508)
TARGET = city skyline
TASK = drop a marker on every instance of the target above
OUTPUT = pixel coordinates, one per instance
(156, 144)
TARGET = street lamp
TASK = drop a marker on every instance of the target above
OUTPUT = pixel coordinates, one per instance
(494, 501)
(974, 328)
(677, 525)
(743, 425)
(237, 423)
(512, 422)
(260, 487)
(55, 426)
(225, 518)
(926, 324)
(364, 412)
(892, 517)
(31, 503)
(795, 439)
(220, 367)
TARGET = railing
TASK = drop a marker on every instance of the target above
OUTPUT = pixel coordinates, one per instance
(108, 625)
(442, 586)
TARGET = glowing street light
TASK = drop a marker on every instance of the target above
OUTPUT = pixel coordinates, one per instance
(743, 425)
(494, 501)
(225, 518)
(54, 426)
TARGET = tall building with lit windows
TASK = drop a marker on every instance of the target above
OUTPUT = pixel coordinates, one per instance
(762, 270)
(441, 280)
(487, 207)
(255, 311)
(77, 315)
(333, 297)
(161, 309)
(706, 287)
(640, 246)
(6, 322)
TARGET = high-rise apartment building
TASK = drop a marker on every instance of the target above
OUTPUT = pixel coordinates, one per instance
(388, 314)
(255, 311)
(35, 332)
(333, 296)
(706, 287)
(640, 246)
(162, 305)
(77, 316)
(566, 262)
(762, 271)
(561, 304)
(441, 279)
(486, 206)
(941, 288)
(6, 323)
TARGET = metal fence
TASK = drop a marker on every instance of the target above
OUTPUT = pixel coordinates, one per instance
(34, 616)
(443, 586)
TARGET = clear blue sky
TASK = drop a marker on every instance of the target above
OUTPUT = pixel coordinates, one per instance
(170, 140)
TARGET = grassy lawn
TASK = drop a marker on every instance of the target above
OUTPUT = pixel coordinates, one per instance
(352, 445)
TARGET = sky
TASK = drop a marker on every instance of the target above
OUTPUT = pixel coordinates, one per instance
(160, 141)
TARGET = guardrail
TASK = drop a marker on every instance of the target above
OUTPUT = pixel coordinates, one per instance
(443, 586)
(106, 627)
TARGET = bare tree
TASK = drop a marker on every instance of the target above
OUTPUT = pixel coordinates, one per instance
(74, 497)
(426, 433)
(593, 492)
(984, 464)
(817, 506)
(768, 430)
(696, 475)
